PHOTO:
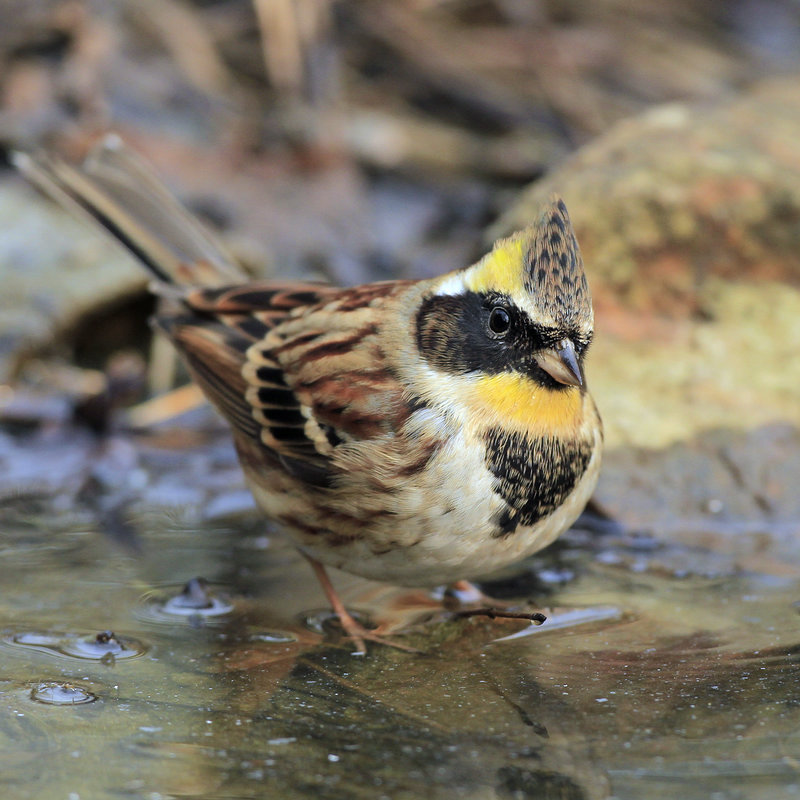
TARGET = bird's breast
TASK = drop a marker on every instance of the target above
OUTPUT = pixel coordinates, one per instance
(534, 475)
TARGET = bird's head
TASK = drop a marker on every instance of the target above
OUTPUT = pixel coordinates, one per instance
(524, 308)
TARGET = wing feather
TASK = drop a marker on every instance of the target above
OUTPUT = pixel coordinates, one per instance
(298, 368)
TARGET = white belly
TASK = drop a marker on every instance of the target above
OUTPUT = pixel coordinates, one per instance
(441, 527)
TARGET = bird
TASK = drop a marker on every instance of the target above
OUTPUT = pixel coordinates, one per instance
(417, 432)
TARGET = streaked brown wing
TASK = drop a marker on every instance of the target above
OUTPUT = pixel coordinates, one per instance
(320, 378)
(213, 328)
(296, 367)
(287, 372)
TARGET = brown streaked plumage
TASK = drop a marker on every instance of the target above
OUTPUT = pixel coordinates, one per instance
(418, 432)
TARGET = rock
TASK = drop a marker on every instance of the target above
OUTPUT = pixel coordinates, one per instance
(689, 222)
(729, 497)
(667, 200)
(54, 270)
(736, 370)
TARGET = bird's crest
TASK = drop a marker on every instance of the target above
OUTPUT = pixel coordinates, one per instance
(541, 265)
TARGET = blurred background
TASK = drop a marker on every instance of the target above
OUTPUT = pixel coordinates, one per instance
(357, 140)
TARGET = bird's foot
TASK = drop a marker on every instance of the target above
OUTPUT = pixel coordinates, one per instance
(353, 629)
(360, 635)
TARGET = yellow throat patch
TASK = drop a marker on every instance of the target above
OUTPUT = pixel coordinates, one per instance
(516, 401)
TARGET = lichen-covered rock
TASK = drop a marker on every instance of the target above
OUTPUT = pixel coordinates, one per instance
(665, 201)
(689, 222)
(661, 382)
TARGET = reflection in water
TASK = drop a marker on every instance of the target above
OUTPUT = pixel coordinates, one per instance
(649, 682)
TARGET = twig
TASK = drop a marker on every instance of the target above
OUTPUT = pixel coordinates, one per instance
(536, 617)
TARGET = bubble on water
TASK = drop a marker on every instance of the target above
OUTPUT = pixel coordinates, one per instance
(196, 602)
(106, 646)
(195, 598)
(61, 694)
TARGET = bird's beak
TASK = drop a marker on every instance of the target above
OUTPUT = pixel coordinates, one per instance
(561, 363)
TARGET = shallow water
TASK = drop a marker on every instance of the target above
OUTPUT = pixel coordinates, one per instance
(662, 672)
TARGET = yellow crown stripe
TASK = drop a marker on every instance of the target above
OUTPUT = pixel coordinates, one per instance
(501, 270)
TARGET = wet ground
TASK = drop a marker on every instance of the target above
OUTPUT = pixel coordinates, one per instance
(663, 671)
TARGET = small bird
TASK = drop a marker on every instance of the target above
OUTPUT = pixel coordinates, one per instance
(415, 432)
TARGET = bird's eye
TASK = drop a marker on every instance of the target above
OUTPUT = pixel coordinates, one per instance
(499, 320)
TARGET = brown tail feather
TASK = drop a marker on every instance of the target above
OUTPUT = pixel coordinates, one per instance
(119, 192)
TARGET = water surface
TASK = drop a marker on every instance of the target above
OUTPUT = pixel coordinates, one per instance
(662, 672)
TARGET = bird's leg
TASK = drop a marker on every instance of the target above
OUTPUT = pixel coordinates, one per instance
(354, 629)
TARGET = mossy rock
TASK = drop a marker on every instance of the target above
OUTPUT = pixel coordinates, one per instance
(689, 222)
